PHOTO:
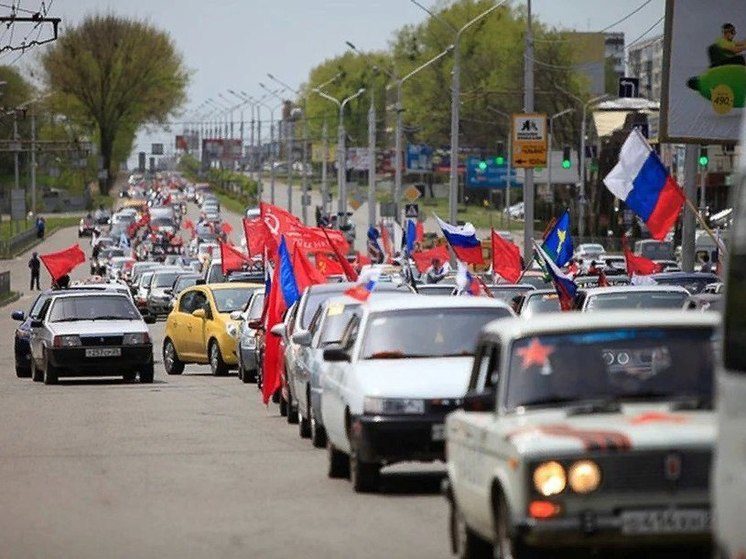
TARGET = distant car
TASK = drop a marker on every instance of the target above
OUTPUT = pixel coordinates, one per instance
(650, 297)
(159, 295)
(694, 282)
(533, 303)
(90, 334)
(248, 356)
(590, 251)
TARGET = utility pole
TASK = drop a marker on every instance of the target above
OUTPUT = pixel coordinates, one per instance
(528, 107)
(688, 223)
(372, 161)
(33, 160)
(16, 153)
(324, 164)
(290, 132)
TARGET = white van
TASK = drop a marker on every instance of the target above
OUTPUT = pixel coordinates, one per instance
(729, 478)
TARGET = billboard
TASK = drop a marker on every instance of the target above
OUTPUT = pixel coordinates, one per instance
(704, 71)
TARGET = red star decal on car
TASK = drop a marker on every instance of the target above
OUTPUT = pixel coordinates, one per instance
(534, 353)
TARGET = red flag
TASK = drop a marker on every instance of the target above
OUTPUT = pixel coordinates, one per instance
(272, 360)
(638, 265)
(328, 266)
(257, 235)
(232, 259)
(420, 231)
(386, 239)
(424, 258)
(349, 271)
(506, 259)
(226, 228)
(187, 224)
(305, 273)
(63, 262)
(278, 221)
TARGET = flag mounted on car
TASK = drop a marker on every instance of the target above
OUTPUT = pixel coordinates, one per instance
(463, 241)
(565, 286)
(62, 262)
(643, 183)
(558, 243)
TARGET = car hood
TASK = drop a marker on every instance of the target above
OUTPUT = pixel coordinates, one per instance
(636, 427)
(97, 327)
(441, 377)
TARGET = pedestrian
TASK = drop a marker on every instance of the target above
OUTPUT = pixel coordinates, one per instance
(34, 265)
(40, 227)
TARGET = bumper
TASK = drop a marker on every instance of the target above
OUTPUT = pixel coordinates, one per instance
(73, 362)
(590, 528)
(248, 358)
(389, 439)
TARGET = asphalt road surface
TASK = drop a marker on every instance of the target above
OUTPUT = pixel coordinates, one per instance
(190, 466)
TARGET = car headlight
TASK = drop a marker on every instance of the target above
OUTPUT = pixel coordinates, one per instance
(584, 476)
(232, 330)
(550, 478)
(138, 338)
(393, 406)
(67, 341)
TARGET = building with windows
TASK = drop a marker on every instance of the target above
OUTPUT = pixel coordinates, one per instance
(599, 57)
(645, 61)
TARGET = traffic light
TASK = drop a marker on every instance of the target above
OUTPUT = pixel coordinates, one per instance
(500, 158)
(704, 159)
(566, 163)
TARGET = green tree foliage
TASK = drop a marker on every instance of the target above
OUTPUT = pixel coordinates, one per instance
(114, 75)
(492, 61)
(15, 92)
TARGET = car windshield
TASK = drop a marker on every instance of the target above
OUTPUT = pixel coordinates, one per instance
(313, 302)
(98, 307)
(164, 279)
(592, 249)
(636, 300)
(215, 274)
(540, 304)
(147, 278)
(229, 300)
(184, 282)
(658, 364)
(436, 289)
(693, 285)
(257, 305)
(436, 332)
(337, 318)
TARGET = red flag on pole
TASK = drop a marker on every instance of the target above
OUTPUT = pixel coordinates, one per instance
(257, 235)
(424, 258)
(305, 273)
(232, 259)
(506, 258)
(275, 308)
(226, 228)
(63, 262)
(638, 265)
(349, 271)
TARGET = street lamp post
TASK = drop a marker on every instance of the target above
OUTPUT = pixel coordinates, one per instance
(549, 141)
(288, 148)
(509, 161)
(456, 98)
(341, 151)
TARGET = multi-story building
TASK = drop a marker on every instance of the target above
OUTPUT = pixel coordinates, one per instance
(645, 61)
(599, 57)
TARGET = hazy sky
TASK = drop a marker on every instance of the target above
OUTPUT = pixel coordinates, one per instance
(234, 43)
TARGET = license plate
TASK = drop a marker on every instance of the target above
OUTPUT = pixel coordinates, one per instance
(103, 352)
(439, 432)
(683, 521)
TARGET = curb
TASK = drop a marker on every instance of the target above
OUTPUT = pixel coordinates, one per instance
(14, 296)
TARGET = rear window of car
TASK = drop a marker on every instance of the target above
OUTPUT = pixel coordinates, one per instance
(165, 279)
(98, 307)
(636, 300)
(229, 300)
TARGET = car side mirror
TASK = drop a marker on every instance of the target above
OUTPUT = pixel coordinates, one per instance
(199, 313)
(278, 330)
(336, 355)
(483, 400)
(255, 324)
(20, 316)
(149, 319)
(302, 338)
(236, 315)
(36, 323)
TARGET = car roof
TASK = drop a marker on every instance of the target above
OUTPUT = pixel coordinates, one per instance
(339, 287)
(685, 275)
(414, 302)
(95, 292)
(232, 285)
(510, 328)
(634, 289)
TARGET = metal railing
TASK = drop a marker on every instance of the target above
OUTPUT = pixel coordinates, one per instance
(10, 247)
(4, 285)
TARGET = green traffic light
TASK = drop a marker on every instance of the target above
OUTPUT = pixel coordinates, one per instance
(500, 160)
(482, 165)
(703, 160)
(566, 164)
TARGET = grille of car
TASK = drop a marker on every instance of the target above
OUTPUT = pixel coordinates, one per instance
(100, 340)
(653, 471)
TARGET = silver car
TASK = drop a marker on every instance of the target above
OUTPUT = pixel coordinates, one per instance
(159, 295)
(248, 357)
(90, 334)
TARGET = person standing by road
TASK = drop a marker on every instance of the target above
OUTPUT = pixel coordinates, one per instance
(41, 225)
(34, 265)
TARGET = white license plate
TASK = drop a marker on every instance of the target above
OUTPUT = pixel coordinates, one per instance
(439, 432)
(670, 521)
(103, 352)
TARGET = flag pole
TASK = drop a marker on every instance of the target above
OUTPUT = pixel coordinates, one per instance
(704, 225)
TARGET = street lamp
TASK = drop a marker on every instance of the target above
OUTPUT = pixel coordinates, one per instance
(288, 148)
(341, 151)
(456, 97)
(549, 140)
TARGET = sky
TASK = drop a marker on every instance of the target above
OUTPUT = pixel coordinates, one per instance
(232, 44)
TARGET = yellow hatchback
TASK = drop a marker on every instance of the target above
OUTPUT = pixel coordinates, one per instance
(202, 325)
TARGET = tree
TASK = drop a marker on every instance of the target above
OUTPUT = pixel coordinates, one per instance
(114, 75)
(15, 92)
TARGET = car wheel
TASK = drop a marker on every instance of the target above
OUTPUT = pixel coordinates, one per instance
(251, 376)
(318, 433)
(171, 361)
(339, 463)
(129, 377)
(217, 365)
(466, 543)
(147, 374)
(363, 475)
(292, 410)
(50, 373)
(507, 545)
(36, 374)
(304, 425)
(283, 405)
(22, 372)
(240, 366)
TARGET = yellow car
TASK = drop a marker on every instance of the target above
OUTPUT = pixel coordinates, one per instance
(203, 324)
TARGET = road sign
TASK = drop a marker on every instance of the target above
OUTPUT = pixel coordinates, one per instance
(387, 209)
(485, 172)
(355, 201)
(412, 211)
(629, 87)
(529, 140)
(411, 193)
(419, 158)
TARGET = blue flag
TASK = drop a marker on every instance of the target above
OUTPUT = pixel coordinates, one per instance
(411, 235)
(288, 284)
(558, 244)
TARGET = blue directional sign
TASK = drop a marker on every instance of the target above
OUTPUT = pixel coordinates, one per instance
(484, 172)
(419, 158)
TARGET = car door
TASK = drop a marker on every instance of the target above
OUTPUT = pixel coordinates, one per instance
(178, 324)
(301, 376)
(200, 326)
(36, 340)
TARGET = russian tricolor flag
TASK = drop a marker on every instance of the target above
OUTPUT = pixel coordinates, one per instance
(466, 282)
(642, 182)
(463, 241)
(365, 286)
(566, 288)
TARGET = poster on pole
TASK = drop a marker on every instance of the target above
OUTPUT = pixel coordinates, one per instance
(529, 140)
(419, 158)
(704, 71)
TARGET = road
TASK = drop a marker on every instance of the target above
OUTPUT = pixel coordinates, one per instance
(190, 466)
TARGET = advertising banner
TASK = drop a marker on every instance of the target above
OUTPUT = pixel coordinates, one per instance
(704, 71)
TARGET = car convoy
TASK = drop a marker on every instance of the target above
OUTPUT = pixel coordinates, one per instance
(558, 429)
